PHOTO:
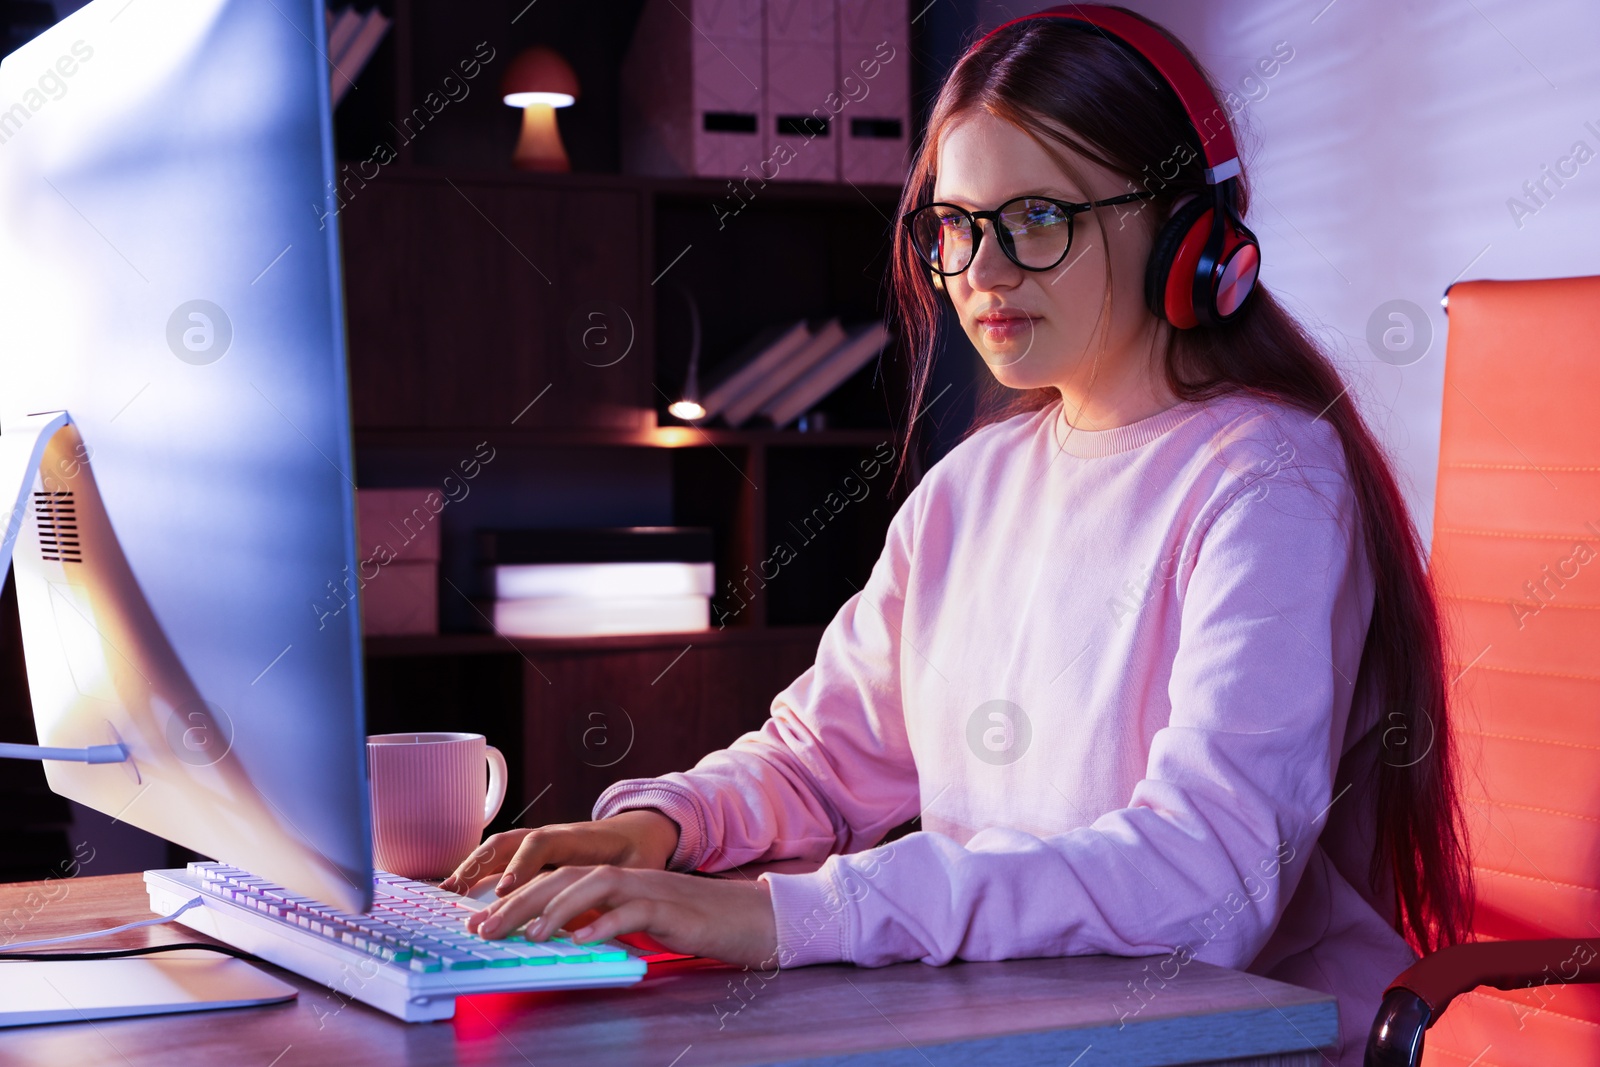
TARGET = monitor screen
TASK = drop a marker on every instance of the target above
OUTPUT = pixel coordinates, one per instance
(184, 549)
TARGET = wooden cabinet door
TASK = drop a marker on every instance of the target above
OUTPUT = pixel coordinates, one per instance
(467, 301)
(593, 718)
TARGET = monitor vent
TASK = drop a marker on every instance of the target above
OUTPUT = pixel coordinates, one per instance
(57, 518)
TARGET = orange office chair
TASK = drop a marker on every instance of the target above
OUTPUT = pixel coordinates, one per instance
(1516, 559)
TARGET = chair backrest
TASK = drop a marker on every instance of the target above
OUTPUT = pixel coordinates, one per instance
(1516, 559)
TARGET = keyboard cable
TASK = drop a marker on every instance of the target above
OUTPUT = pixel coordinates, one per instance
(227, 950)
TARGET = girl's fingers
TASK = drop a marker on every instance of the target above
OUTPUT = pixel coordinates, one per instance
(730, 921)
(627, 918)
(600, 887)
(505, 914)
(550, 846)
(486, 859)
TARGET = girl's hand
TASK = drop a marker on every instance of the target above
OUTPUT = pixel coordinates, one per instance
(642, 837)
(720, 918)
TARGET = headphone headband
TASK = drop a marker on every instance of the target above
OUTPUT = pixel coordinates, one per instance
(1222, 156)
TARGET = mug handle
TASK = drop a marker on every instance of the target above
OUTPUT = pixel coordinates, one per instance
(497, 784)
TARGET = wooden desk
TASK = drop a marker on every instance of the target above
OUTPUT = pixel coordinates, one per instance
(696, 1013)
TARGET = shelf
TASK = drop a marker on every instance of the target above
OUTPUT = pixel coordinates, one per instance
(473, 289)
(659, 437)
(711, 189)
(471, 644)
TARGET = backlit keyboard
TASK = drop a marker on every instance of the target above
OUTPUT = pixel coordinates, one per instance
(410, 956)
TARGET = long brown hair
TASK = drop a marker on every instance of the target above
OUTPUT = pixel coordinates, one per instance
(1064, 86)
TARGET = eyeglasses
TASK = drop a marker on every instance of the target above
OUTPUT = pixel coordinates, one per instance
(1035, 231)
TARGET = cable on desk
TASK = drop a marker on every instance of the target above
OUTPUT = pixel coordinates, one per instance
(193, 903)
(109, 954)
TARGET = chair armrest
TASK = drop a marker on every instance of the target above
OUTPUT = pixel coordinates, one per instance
(1416, 999)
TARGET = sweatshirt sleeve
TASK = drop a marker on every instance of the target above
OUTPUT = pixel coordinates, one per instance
(1238, 784)
(829, 771)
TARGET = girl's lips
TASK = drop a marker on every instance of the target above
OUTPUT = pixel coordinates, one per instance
(999, 329)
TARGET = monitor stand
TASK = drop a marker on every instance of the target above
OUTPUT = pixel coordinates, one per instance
(108, 686)
(58, 519)
(22, 459)
(69, 991)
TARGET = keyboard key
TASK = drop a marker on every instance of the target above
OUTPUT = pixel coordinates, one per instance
(566, 950)
(461, 961)
(531, 955)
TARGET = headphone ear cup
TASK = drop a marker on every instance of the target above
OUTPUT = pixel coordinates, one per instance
(1240, 264)
(1192, 217)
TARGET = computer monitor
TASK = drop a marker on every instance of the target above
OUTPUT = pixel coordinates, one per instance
(175, 431)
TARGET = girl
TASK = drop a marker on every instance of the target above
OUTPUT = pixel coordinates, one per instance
(1152, 653)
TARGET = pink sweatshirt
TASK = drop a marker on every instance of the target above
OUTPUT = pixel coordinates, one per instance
(1113, 672)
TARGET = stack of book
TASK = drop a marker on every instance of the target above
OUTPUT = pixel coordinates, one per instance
(786, 370)
(397, 573)
(585, 582)
(352, 38)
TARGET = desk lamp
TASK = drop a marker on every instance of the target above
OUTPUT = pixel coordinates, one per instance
(539, 81)
(688, 407)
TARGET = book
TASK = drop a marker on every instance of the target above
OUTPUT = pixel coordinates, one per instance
(515, 581)
(347, 64)
(600, 580)
(797, 364)
(757, 358)
(836, 367)
(589, 616)
(341, 31)
(606, 544)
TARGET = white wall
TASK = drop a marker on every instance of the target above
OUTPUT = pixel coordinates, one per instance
(1383, 156)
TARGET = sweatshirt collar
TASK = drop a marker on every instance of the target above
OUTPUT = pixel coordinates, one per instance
(1090, 443)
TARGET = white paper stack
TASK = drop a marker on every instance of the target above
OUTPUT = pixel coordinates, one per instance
(586, 581)
(586, 599)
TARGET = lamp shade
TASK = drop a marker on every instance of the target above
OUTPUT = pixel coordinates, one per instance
(538, 75)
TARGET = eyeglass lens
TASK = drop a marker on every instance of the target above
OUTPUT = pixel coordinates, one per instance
(1037, 231)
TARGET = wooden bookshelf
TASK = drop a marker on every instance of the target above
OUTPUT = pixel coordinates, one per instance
(685, 436)
(467, 285)
(475, 644)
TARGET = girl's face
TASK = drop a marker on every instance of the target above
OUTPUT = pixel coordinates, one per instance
(985, 161)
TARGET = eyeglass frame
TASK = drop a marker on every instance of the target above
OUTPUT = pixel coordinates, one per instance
(1071, 207)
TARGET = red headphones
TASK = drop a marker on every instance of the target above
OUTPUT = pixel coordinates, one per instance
(1204, 261)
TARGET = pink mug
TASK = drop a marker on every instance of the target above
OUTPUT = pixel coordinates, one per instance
(429, 804)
